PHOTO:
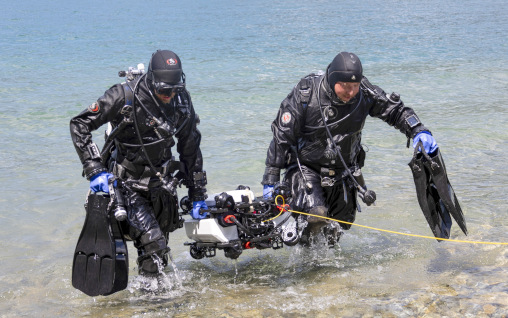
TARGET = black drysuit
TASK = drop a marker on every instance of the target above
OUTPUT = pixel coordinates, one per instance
(152, 212)
(299, 131)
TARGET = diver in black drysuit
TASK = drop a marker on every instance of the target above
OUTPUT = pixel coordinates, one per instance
(317, 159)
(156, 107)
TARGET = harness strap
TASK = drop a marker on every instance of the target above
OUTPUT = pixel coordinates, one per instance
(305, 90)
(129, 94)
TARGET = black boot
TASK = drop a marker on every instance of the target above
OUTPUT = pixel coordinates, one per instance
(152, 259)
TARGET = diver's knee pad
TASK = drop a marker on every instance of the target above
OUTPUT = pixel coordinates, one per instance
(321, 213)
(315, 223)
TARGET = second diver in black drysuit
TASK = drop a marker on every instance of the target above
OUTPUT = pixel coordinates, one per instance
(317, 137)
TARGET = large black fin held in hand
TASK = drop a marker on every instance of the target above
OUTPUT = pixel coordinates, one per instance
(435, 193)
(121, 257)
(100, 265)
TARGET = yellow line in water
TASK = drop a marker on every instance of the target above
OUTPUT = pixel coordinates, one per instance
(282, 208)
(400, 233)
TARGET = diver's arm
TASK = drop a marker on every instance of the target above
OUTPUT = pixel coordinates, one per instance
(189, 140)
(81, 127)
(286, 130)
(392, 110)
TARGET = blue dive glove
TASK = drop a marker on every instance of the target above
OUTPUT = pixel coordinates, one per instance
(429, 143)
(99, 182)
(267, 191)
(196, 205)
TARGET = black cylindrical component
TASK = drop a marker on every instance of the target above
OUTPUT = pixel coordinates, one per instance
(185, 204)
(170, 186)
(369, 197)
(119, 211)
(196, 252)
(395, 97)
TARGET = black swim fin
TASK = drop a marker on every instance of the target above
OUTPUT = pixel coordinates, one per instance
(435, 193)
(100, 265)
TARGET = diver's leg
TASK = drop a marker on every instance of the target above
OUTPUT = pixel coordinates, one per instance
(146, 234)
(341, 206)
(165, 207)
(309, 200)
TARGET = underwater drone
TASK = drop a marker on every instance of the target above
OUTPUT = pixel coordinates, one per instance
(237, 220)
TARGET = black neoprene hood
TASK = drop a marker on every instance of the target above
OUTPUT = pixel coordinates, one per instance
(345, 67)
(165, 66)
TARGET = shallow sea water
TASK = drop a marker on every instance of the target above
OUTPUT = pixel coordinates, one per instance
(447, 60)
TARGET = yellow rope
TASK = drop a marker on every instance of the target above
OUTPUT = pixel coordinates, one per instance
(400, 233)
(282, 208)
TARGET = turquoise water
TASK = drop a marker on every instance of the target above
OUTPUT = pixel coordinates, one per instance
(447, 60)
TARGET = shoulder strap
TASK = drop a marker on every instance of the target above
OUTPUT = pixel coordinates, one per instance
(129, 94)
(305, 90)
(129, 100)
(126, 111)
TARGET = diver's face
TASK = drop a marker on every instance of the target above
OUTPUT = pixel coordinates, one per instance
(345, 90)
(165, 99)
